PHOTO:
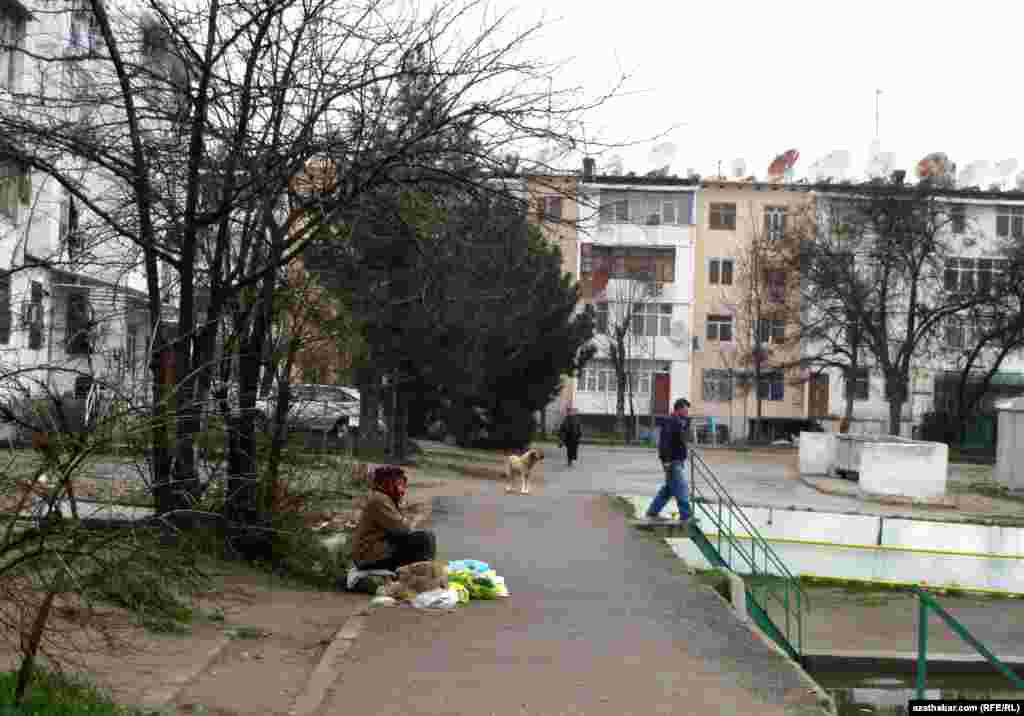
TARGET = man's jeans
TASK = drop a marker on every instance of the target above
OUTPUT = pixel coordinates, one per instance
(674, 486)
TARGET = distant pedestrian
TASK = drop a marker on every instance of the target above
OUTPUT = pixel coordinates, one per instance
(673, 453)
(570, 434)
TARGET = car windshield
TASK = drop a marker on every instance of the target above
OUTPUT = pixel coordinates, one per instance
(330, 393)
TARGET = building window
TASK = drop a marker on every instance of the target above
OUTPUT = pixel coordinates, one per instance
(6, 311)
(775, 223)
(34, 319)
(602, 317)
(770, 331)
(717, 386)
(639, 263)
(723, 216)
(719, 328)
(12, 35)
(79, 324)
(775, 282)
(651, 319)
(83, 32)
(645, 207)
(1010, 221)
(131, 347)
(15, 187)
(965, 276)
(720, 271)
(857, 382)
(958, 333)
(771, 387)
(551, 208)
(69, 228)
(958, 219)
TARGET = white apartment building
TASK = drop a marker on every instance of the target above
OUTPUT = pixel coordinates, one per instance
(636, 252)
(979, 222)
(72, 306)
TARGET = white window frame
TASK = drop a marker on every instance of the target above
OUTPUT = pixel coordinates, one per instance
(716, 209)
(548, 206)
(775, 222)
(12, 34)
(659, 313)
(716, 386)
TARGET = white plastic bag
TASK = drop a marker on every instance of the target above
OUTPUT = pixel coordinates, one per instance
(354, 575)
(436, 599)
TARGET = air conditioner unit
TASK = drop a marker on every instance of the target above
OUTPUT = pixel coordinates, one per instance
(696, 343)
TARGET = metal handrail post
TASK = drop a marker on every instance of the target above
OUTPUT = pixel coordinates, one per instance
(922, 644)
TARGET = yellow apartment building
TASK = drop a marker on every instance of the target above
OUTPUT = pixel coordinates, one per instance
(746, 306)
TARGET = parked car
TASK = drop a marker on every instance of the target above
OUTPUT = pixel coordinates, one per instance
(319, 408)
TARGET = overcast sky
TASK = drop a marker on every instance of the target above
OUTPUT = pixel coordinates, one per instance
(751, 80)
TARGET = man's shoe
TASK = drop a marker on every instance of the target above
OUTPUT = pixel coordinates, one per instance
(656, 518)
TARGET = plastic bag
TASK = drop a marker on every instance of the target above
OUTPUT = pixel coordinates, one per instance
(471, 565)
(436, 599)
(354, 575)
(382, 601)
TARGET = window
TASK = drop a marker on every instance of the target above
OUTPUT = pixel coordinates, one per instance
(775, 281)
(69, 228)
(631, 262)
(15, 188)
(5, 307)
(602, 318)
(35, 322)
(772, 386)
(652, 319)
(857, 382)
(717, 386)
(131, 347)
(958, 333)
(775, 222)
(551, 208)
(719, 328)
(965, 276)
(12, 34)
(770, 331)
(720, 271)
(723, 216)
(83, 31)
(646, 207)
(79, 320)
(958, 219)
(1010, 221)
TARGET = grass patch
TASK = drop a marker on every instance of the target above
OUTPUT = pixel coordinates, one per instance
(52, 694)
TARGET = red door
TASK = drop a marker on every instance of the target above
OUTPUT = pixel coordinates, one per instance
(661, 393)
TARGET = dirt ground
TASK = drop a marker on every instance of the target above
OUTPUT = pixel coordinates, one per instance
(267, 636)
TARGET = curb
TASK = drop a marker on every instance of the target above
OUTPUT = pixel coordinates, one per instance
(325, 674)
(158, 698)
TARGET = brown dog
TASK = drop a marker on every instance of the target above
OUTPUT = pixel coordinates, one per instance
(520, 466)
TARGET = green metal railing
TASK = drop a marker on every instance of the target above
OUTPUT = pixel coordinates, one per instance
(925, 602)
(772, 579)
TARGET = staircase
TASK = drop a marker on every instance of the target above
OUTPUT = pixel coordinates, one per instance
(736, 545)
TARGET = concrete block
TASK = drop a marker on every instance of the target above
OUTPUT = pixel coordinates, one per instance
(817, 453)
(912, 469)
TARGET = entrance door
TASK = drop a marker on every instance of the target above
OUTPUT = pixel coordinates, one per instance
(661, 393)
(818, 399)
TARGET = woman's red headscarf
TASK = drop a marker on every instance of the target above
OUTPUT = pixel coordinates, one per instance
(387, 478)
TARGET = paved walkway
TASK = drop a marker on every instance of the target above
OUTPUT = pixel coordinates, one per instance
(600, 621)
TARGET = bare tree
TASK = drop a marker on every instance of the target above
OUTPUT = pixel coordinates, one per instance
(195, 118)
(876, 271)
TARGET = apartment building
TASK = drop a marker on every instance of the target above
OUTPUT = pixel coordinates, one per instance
(635, 264)
(72, 305)
(746, 309)
(979, 222)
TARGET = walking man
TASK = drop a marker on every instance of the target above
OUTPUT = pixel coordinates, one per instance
(672, 453)
(570, 433)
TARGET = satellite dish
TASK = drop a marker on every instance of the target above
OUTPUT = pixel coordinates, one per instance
(662, 154)
(976, 173)
(613, 167)
(782, 166)
(1005, 170)
(739, 168)
(936, 167)
(833, 164)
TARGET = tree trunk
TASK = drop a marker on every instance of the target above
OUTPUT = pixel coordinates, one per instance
(31, 646)
(895, 410)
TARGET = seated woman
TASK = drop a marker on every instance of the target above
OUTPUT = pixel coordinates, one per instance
(382, 540)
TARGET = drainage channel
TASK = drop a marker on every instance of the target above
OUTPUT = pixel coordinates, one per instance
(860, 693)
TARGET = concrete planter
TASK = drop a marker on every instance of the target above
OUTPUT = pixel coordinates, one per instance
(1009, 470)
(817, 453)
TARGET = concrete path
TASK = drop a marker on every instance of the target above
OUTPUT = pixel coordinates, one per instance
(600, 621)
